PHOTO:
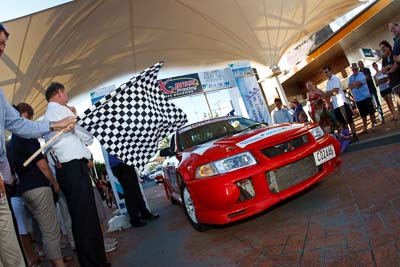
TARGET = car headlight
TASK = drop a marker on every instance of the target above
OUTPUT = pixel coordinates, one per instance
(317, 132)
(206, 170)
(226, 165)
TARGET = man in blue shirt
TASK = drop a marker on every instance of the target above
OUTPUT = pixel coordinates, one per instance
(362, 97)
(394, 28)
(135, 204)
(10, 252)
(280, 114)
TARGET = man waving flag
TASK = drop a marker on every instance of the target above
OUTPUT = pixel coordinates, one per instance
(130, 121)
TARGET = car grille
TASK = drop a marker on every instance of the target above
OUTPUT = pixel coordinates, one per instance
(287, 146)
(292, 174)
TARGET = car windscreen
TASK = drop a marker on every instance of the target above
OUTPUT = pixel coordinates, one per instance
(204, 132)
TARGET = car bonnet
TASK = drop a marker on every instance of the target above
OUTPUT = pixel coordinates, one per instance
(243, 140)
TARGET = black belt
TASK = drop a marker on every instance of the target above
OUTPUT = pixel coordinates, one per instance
(84, 160)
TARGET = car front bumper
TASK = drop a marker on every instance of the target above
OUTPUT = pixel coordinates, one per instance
(220, 200)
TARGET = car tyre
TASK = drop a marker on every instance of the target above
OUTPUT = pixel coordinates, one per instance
(190, 211)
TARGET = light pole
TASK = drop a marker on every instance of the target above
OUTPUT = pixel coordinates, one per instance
(276, 71)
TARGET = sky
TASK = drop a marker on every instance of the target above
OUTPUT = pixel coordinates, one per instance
(19, 8)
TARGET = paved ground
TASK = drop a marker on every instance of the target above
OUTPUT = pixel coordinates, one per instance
(351, 218)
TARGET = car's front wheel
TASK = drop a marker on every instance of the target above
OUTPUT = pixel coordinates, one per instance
(190, 210)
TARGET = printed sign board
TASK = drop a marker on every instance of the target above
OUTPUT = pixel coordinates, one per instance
(217, 79)
(251, 93)
(181, 86)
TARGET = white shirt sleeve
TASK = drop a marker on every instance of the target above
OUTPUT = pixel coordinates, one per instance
(85, 136)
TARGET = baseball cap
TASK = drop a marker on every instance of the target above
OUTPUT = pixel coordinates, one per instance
(2, 28)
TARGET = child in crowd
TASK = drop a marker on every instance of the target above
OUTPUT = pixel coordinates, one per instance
(343, 135)
(325, 118)
(295, 109)
(303, 117)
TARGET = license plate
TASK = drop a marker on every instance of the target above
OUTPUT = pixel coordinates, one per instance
(324, 154)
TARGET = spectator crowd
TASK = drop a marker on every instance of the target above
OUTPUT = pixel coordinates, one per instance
(335, 108)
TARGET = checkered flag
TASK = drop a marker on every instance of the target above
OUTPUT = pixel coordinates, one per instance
(130, 121)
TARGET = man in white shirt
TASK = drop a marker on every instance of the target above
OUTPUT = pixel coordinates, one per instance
(280, 114)
(74, 180)
(340, 106)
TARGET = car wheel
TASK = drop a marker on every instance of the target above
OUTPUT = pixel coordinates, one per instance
(190, 210)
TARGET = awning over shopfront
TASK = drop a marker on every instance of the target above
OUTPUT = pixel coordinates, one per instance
(82, 44)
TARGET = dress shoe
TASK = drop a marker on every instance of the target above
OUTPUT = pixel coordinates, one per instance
(109, 247)
(151, 217)
(138, 223)
(110, 241)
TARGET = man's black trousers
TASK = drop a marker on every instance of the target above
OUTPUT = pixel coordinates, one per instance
(75, 183)
(134, 201)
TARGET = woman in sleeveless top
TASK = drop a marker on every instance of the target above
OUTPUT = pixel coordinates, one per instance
(382, 80)
(313, 95)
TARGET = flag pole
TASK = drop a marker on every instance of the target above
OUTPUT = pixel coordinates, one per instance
(26, 163)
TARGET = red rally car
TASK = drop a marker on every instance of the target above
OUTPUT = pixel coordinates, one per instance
(228, 168)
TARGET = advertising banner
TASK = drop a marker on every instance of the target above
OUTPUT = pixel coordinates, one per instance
(181, 86)
(99, 93)
(116, 186)
(217, 79)
(251, 93)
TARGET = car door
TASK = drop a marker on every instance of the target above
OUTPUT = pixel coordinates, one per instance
(169, 167)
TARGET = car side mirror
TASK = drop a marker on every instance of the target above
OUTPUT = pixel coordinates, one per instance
(166, 152)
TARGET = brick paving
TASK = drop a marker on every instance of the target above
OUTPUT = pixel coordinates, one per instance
(351, 218)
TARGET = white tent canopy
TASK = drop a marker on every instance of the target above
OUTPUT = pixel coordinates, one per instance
(82, 44)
